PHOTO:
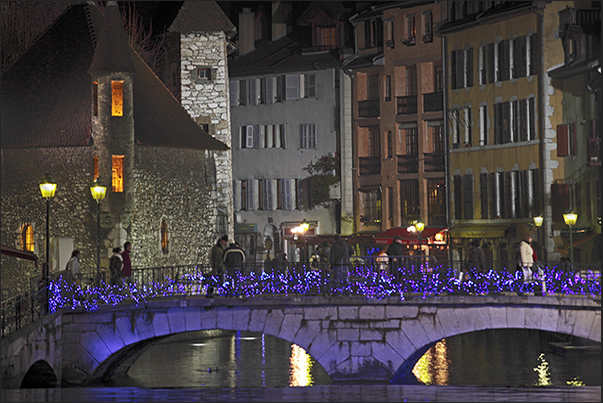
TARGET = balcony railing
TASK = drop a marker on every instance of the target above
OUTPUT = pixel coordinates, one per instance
(370, 165)
(406, 105)
(368, 108)
(435, 162)
(433, 102)
(408, 164)
(594, 147)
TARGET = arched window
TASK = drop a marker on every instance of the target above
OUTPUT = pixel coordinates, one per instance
(27, 238)
(164, 237)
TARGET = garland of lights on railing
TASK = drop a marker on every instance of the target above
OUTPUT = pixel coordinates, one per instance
(363, 281)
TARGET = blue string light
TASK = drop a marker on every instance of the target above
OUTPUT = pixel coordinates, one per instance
(363, 281)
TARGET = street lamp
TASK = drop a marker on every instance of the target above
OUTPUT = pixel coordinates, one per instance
(420, 226)
(48, 189)
(570, 219)
(98, 193)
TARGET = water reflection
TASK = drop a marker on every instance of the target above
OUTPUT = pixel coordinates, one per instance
(432, 368)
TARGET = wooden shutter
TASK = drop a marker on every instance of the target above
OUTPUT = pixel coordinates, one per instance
(494, 212)
(523, 121)
(460, 69)
(490, 65)
(521, 61)
(469, 67)
(292, 86)
(534, 56)
(506, 122)
(269, 90)
(484, 194)
(562, 142)
(468, 197)
(498, 118)
(573, 139)
(250, 187)
(453, 71)
(256, 136)
(458, 197)
(232, 89)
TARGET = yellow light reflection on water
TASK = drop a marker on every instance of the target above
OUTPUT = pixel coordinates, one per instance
(433, 367)
(301, 364)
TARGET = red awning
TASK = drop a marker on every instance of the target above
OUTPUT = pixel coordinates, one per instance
(408, 238)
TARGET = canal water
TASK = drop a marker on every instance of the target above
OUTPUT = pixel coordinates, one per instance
(490, 365)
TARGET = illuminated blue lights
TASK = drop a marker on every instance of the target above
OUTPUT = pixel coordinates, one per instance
(363, 281)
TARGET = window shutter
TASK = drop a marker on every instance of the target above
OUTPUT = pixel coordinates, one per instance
(242, 92)
(269, 90)
(256, 136)
(522, 57)
(232, 90)
(483, 184)
(458, 197)
(490, 56)
(236, 195)
(502, 194)
(559, 193)
(252, 92)
(533, 54)
(562, 141)
(286, 194)
(250, 194)
(494, 212)
(506, 122)
(469, 67)
(248, 136)
(311, 86)
(498, 123)
(468, 197)
(460, 69)
(453, 69)
(269, 204)
(283, 136)
(523, 124)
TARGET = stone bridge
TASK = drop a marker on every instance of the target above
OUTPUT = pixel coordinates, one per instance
(353, 338)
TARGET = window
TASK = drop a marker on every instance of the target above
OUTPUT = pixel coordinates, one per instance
(242, 92)
(463, 197)
(411, 80)
(427, 26)
(388, 88)
(467, 138)
(437, 134)
(253, 95)
(371, 206)
(372, 87)
(410, 208)
(502, 115)
(411, 30)
(390, 145)
(483, 125)
(390, 204)
(265, 194)
(461, 127)
(531, 119)
(373, 33)
(232, 93)
(436, 201)
(412, 141)
(461, 65)
(389, 33)
(438, 75)
(566, 139)
(248, 134)
(95, 98)
(273, 136)
(27, 238)
(307, 135)
(164, 237)
(292, 86)
(326, 36)
(244, 198)
(309, 85)
(284, 194)
(374, 142)
(117, 176)
(519, 57)
(481, 65)
(203, 73)
(95, 167)
(117, 98)
(532, 54)
(483, 189)
(263, 97)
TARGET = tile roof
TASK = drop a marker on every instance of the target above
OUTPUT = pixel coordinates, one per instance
(46, 98)
(202, 16)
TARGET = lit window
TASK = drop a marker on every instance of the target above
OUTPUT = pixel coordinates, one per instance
(27, 238)
(204, 73)
(95, 167)
(118, 174)
(117, 98)
(164, 237)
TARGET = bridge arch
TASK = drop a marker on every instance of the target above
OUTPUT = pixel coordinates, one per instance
(39, 375)
(355, 339)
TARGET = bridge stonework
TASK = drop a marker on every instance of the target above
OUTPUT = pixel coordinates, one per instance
(352, 338)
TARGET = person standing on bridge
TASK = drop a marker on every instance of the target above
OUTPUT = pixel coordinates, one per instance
(115, 265)
(126, 271)
(73, 268)
(476, 259)
(526, 256)
(234, 259)
(217, 264)
(395, 251)
(340, 261)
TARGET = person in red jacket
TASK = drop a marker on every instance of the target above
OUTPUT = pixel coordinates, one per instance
(126, 270)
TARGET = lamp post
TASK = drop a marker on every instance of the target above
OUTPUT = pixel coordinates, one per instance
(420, 226)
(570, 219)
(48, 189)
(98, 193)
(538, 223)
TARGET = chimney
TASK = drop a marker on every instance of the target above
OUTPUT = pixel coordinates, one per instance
(281, 19)
(246, 31)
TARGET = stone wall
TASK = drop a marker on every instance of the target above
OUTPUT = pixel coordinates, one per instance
(207, 101)
(174, 185)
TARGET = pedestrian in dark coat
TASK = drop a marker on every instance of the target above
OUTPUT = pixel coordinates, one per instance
(126, 271)
(116, 264)
(340, 261)
(233, 258)
(476, 257)
(395, 251)
(217, 264)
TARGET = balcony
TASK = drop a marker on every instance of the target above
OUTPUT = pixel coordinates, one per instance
(435, 162)
(594, 147)
(368, 108)
(370, 165)
(406, 105)
(408, 164)
(433, 102)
